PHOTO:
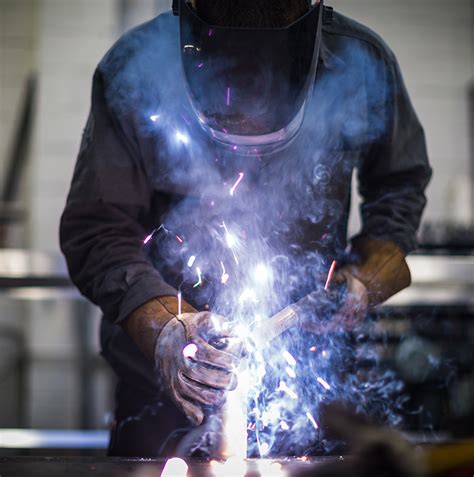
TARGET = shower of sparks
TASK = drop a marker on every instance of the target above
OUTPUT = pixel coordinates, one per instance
(228, 97)
(180, 302)
(190, 350)
(284, 387)
(155, 117)
(225, 275)
(332, 269)
(284, 426)
(237, 182)
(175, 468)
(179, 239)
(311, 419)
(191, 261)
(289, 358)
(199, 274)
(291, 372)
(323, 383)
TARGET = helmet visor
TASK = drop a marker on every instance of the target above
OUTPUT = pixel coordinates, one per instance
(249, 86)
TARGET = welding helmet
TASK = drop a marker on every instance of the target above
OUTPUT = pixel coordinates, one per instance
(249, 87)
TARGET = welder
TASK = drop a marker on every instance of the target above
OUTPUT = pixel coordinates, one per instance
(289, 92)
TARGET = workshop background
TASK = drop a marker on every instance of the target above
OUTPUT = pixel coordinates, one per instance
(51, 376)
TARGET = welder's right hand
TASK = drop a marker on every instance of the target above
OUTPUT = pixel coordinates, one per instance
(195, 373)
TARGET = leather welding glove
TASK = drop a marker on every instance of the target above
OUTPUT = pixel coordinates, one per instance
(193, 376)
(378, 271)
(195, 373)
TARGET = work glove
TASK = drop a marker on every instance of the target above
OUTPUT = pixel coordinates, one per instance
(378, 271)
(195, 373)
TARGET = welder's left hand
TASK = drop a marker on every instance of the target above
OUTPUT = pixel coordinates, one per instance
(378, 271)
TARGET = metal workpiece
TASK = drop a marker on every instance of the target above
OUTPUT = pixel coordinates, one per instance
(138, 467)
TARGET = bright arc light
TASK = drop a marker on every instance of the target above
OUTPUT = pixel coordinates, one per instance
(191, 261)
(323, 383)
(181, 137)
(175, 468)
(155, 117)
(261, 273)
(190, 350)
(289, 358)
(312, 420)
(230, 239)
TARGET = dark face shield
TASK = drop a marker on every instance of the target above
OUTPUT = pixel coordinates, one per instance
(249, 87)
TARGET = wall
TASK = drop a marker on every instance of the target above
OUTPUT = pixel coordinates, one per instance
(72, 37)
(433, 41)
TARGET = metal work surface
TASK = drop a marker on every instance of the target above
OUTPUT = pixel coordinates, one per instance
(120, 467)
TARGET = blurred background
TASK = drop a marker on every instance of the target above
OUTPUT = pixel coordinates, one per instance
(51, 375)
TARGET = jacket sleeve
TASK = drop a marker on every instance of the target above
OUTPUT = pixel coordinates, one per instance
(395, 172)
(101, 234)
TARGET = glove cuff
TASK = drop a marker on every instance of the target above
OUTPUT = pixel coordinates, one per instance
(381, 266)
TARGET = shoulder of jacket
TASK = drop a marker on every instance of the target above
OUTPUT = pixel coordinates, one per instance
(342, 27)
(143, 41)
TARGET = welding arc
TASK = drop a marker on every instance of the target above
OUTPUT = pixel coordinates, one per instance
(315, 302)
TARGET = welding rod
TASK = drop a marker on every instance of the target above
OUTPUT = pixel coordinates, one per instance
(290, 316)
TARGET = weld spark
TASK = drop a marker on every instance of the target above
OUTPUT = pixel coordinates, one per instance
(179, 303)
(225, 276)
(332, 269)
(237, 182)
(284, 387)
(311, 419)
(199, 274)
(148, 238)
(323, 383)
(289, 358)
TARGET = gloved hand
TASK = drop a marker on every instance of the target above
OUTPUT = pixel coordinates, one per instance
(199, 378)
(196, 374)
(379, 270)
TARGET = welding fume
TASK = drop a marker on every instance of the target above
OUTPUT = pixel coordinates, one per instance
(207, 217)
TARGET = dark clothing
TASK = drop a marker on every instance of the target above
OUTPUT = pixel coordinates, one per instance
(145, 161)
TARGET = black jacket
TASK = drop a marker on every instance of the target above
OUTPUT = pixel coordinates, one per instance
(144, 161)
